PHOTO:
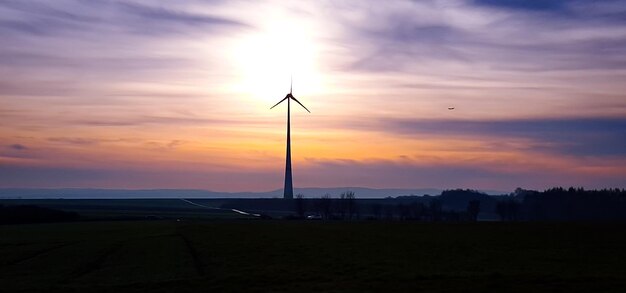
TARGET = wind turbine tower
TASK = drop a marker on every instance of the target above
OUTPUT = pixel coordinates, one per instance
(288, 190)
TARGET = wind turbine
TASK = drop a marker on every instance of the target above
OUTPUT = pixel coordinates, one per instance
(288, 190)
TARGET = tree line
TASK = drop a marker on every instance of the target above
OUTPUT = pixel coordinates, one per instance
(347, 207)
(565, 204)
(555, 204)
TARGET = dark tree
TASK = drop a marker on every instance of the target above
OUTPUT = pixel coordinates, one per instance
(342, 206)
(404, 211)
(435, 208)
(473, 209)
(575, 204)
(351, 207)
(325, 206)
(508, 209)
(417, 211)
(300, 205)
(376, 210)
(388, 212)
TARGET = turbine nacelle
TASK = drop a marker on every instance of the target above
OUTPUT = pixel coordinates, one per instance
(290, 96)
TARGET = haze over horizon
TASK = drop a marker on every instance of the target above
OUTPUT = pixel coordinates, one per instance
(151, 94)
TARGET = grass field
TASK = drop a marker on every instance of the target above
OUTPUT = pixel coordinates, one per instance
(290, 256)
(115, 209)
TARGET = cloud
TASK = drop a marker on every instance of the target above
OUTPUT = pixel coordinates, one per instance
(367, 173)
(490, 35)
(73, 16)
(17, 152)
(62, 176)
(578, 137)
(43, 9)
(102, 63)
(408, 174)
(157, 15)
(533, 5)
(39, 19)
(74, 140)
(164, 146)
(155, 120)
(18, 147)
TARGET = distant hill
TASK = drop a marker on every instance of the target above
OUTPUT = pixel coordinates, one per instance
(197, 193)
(362, 192)
(311, 192)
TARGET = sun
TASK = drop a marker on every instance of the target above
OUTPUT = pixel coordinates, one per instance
(267, 59)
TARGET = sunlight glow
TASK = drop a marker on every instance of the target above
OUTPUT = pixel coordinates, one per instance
(266, 59)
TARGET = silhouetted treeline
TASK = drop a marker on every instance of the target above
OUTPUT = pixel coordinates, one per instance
(574, 204)
(556, 204)
(431, 211)
(405, 208)
(508, 209)
(327, 208)
(24, 214)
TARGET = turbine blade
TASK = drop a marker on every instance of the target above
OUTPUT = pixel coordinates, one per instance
(279, 103)
(291, 84)
(294, 98)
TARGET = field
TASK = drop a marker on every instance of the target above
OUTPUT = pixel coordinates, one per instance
(130, 209)
(290, 256)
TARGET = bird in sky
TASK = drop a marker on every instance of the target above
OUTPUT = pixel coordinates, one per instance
(450, 108)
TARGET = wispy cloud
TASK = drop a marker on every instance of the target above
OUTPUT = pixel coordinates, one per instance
(74, 140)
(502, 35)
(153, 15)
(532, 5)
(18, 147)
(407, 173)
(577, 137)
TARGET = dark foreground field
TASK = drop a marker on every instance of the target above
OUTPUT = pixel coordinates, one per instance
(281, 256)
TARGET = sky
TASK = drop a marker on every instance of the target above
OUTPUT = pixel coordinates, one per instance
(176, 94)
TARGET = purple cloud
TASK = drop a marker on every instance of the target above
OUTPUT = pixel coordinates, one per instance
(578, 137)
(18, 147)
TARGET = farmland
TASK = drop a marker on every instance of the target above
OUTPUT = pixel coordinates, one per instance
(288, 256)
